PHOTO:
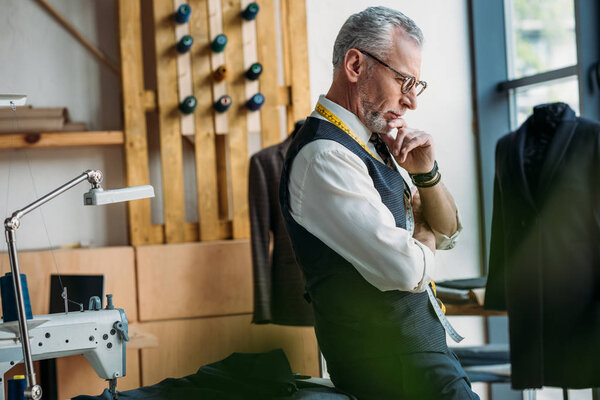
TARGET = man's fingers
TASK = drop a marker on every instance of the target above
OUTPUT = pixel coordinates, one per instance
(410, 145)
(396, 123)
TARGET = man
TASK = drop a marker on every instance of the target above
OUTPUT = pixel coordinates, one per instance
(366, 248)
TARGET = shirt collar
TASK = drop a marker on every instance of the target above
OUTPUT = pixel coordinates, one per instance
(347, 117)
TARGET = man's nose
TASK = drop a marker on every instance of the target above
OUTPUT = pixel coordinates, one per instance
(409, 100)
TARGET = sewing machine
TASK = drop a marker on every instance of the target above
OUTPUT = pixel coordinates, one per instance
(98, 334)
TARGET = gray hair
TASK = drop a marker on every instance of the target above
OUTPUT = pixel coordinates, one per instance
(371, 30)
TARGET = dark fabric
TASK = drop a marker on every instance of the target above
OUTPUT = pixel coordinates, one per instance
(422, 376)
(488, 354)
(278, 282)
(356, 324)
(468, 283)
(545, 253)
(238, 377)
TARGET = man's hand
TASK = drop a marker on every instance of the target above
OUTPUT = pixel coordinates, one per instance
(423, 232)
(412, 148)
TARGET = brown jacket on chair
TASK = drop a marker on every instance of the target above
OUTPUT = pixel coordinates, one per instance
(278, 282)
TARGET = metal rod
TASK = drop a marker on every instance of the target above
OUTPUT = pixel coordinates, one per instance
(27, 209)
(538, 78)
(11, 224)
(32, 386)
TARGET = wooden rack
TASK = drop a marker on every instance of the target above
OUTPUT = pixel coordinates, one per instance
(61, 139)
(220, 140)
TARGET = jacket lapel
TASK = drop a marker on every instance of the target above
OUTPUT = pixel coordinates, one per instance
(556, 152)
(516, 164)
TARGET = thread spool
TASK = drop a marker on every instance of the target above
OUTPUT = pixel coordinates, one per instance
(182, 15)
(250, 12)
(255, 102)
(223, 103)
(221, 73)
(185, 44)
(254, 71)
(218, 44)
(188, 105)
(9, 305)
(16, 388)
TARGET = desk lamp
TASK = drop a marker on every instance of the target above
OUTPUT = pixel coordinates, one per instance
(95, 196)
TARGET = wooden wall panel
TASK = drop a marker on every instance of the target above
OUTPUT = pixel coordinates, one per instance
(115, 263)
(168, 121)
(294, 20)
(134, 119)
(204, 141)
(194, 279)
(238, 129)
(186, 345)
(75, 376)
(269, 87)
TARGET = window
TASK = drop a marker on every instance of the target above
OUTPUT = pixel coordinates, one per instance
(524, 53)
(528, 52)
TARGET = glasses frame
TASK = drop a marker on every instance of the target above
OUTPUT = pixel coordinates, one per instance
(412, 81)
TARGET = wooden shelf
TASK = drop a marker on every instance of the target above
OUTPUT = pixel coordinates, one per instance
(60, 139)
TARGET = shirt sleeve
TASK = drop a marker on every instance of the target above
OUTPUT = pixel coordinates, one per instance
(444, 242)
(333, 197)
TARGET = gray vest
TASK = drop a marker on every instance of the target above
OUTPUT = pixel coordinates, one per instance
(350, 312)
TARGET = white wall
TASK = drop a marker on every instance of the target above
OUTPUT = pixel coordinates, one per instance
(42, 60)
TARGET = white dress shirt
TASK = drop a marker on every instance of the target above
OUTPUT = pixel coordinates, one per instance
(333, 197)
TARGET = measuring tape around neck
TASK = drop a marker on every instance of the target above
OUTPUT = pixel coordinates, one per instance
(331, 117)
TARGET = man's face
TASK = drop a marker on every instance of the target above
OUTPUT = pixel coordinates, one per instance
(380, 91)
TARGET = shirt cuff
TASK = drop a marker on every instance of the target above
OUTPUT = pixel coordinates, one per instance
(443, 242)
(428, 267)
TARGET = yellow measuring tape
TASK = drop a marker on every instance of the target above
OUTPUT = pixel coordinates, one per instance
(331, 117)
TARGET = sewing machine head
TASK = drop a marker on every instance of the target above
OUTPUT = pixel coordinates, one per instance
(98, 334)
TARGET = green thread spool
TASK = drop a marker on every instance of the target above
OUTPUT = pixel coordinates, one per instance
(219, 43)
(223, 103)
(185, 44)
(250, 12)
(254, 71)
(188, 105)
(183, 14)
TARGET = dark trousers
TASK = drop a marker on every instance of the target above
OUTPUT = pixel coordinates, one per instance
(417, 376)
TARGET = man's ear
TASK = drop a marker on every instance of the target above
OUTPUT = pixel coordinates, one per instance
(354, 65)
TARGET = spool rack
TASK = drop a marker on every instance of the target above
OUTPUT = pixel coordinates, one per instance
(155, 79)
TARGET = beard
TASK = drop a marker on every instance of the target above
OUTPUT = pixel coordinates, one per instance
(374, 119)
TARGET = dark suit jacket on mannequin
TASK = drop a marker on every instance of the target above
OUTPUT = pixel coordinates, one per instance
(545, 248)
(279, 285)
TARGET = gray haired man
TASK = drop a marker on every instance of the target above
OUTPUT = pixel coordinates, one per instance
(365, 243)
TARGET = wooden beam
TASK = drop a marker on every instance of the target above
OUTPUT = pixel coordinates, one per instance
(184, 74)
(80, 38)
(238, 137)
(269, 86)
(168, 121)
(298, 52)
(150, 100)
(284, 96)
(134, 119)
(250, 56)
(215, 27)
(204, 141)
(60, 139)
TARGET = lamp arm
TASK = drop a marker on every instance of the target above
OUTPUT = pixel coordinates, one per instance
(11, 224)
(92, 176)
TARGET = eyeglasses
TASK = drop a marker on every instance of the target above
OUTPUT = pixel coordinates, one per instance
(408, 81)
